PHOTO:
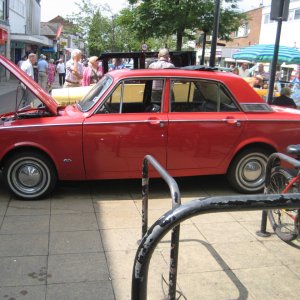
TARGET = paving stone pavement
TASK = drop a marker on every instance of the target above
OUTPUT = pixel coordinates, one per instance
(80, 243)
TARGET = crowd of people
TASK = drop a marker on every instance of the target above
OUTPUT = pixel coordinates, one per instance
(72, 73)
(289, 94)
(75, 73)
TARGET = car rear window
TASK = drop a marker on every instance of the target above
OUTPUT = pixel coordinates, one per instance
(200, 96)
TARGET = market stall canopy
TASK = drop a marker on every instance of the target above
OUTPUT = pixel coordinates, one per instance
(265, 53)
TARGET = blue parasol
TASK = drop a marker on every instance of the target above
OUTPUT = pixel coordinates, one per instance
(265, 53)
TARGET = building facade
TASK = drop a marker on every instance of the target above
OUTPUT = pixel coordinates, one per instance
(4, 27)
(24, 20)
(289, 31)
(249, 33)
(260, 29)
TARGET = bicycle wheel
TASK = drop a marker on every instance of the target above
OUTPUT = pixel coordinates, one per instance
(285, 222)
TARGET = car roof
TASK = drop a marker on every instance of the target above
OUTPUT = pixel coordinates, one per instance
(236, 84)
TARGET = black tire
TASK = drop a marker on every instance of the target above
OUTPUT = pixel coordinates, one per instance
(285, 227)
(30, 175)
(247, 171)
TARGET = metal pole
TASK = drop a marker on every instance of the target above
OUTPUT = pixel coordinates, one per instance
(176, 202)
(263, 225)
(212, 60)
(275, 55)
(203, 48)
(145, 195)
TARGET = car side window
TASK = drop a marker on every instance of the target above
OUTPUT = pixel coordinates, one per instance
(134, 96)
(200, 96)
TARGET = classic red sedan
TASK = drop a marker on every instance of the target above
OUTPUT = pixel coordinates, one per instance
(193, 122)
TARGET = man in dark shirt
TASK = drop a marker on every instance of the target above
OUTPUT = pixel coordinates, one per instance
(284, 99)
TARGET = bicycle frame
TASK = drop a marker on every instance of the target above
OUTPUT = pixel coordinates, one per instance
(286, 190)
(288, 181)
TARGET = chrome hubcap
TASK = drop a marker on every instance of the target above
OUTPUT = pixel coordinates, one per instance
(252, 171)
(29, 175)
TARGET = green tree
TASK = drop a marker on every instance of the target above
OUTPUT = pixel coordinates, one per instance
(163, 18)
(98, 37)
(101, 30)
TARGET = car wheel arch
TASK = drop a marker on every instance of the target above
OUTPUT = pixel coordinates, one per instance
(21, 149)
(264, 149)
(265, 146)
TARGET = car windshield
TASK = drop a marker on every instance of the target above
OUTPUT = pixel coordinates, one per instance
(95, 93)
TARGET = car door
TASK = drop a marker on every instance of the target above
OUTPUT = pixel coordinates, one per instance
(128, 125)
(205, 125)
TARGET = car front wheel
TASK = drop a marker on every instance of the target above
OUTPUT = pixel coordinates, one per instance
(248, 169)
(30, 175)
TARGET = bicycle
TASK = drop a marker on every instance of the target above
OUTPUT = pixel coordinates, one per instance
(285, 222)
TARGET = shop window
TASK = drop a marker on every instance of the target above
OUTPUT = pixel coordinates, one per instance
(2, 10)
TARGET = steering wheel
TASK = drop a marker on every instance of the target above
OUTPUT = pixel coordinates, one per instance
(106, 109)
(153, 108)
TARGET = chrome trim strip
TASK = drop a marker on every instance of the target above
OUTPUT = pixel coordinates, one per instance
(145, 121)
(126, 122)
(38, 125)
(188, 121)
(239, 120)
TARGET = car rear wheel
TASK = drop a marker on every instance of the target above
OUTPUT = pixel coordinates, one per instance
(30, 175)
(248, 169)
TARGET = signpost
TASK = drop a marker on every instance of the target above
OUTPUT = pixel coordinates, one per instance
(279, 12)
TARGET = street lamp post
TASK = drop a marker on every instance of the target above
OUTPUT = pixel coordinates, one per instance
(213, 49)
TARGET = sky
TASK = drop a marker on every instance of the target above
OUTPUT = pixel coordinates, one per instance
(52, 8)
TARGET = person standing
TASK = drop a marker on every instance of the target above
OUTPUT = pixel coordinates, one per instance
(61, 70)
(74, 70)
(296, 80)
(243, 70)
(117, 64)
(261, 71)
(163, 62)
(27, 65)
(92, 73)
(51, 74)
(20, 62)
(43, 72)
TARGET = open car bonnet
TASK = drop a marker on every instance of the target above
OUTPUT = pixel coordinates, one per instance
(16, 85)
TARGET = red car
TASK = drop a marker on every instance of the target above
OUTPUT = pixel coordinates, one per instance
(193, 122)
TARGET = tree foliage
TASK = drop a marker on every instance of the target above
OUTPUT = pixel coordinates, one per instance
(98, 38)
(162, 18)
(100, 29)
(158, 23)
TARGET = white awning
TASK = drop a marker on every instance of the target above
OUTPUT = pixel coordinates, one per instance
(32, 39)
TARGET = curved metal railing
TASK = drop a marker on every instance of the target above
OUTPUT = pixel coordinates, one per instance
(179, 213)
(188, 210)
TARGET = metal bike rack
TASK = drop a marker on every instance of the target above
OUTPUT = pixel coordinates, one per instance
(176, 202)
(273, 161)
(179, 213)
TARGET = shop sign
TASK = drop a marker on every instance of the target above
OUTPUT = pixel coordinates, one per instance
(3, 36)
(17, 45)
